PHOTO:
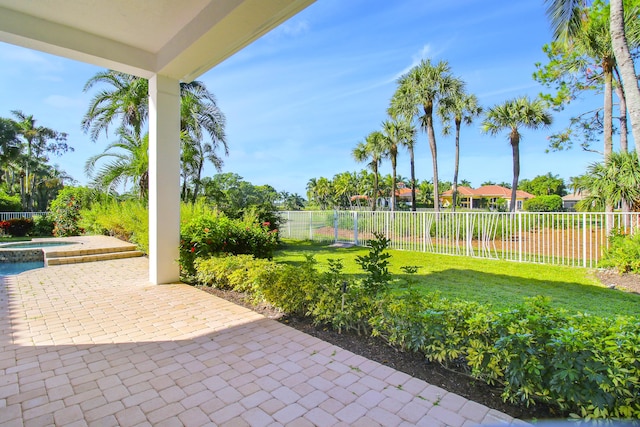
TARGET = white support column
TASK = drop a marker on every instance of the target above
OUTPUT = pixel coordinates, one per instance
(164, 179)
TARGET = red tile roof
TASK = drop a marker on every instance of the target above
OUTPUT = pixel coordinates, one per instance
(489, 191)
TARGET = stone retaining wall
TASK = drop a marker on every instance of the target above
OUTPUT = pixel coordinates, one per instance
(21, 255)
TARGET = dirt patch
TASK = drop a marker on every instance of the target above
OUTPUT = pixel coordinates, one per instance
(625, 282)
(409, 363)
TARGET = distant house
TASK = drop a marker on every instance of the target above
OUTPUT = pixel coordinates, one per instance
(403, 194)
(486, 197)
(570, 200)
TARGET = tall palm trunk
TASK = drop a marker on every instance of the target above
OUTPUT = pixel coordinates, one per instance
(393, 182)
(428, 110)
(515, 150)
(413, 179)
(454, 194)
(627, 70)
(624, 143)
(374, 202)
(624, 130)
(607, 68)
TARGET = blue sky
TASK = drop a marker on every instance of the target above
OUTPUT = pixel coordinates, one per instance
(298, 100)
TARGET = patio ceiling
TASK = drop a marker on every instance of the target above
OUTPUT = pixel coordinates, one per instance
(166, 41)
(177, 39)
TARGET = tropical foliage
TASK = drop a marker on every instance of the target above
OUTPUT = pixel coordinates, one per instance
(512, 116)
(614, 182)
(124, 103)
(25, 171)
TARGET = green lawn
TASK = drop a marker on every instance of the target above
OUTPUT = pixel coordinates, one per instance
(14, 239)
(501, 284)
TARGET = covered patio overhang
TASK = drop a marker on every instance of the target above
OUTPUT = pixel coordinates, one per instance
(165, 41)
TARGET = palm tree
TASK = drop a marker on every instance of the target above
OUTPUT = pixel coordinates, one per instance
(312, 185)
(459, 108)
(614, 181)
(371, 152)
(566, 18)
(424, 87)
(130, 161)
(324, 192)
(200, 115)
(626, 66)
(512, 116)
(126, 100)
(9, 146)
(344, 186)
(37, 139)
(395, 133)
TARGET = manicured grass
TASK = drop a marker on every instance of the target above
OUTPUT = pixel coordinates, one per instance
(14, 239)
(501, 284)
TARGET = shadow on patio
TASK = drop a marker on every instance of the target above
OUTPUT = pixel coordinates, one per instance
(96, 344)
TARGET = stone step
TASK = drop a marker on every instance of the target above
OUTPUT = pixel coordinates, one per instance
(72, 252)
(99, 256)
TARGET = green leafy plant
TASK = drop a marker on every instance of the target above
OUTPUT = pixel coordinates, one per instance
(623, 253)
(376, 265)
(9, 203)
(211, 233)
(43, 225)
(552, 203)
(65, 210)
(17, 227)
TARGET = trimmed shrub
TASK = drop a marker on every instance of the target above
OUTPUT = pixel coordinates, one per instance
(127, 220)
(623, 253)
(585, 366)
(65, 210)
(211, 233)
(552, 203)
(42, 225)
(17, 227)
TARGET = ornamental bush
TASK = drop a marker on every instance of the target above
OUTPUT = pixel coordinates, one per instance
(552, 203)
(212, 233)
(585, 366)
(126, 220)
(65, 210)
(43, 225)
(17, 227)
(623, 253)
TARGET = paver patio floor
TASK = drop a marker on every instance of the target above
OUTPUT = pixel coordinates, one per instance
(96, 344)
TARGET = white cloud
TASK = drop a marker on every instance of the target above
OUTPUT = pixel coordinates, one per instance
(427, 52)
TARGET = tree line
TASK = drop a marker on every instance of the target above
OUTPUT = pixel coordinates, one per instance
(28, 180)
(582, 57)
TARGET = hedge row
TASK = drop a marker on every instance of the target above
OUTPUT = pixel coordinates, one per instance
(584, 365)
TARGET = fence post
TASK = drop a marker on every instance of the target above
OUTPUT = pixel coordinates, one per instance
(355, 228)
(311, 225)
(289, 223)
(424, 232)
(335, 226)
(519, 214)
(584, 239)
(468, 231)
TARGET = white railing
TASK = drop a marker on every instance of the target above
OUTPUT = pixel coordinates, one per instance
(5, 216)
(563, 238)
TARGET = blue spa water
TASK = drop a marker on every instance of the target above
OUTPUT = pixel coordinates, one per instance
(11, 268)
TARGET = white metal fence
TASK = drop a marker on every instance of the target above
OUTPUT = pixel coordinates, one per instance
(5, 216)
(566, 238)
